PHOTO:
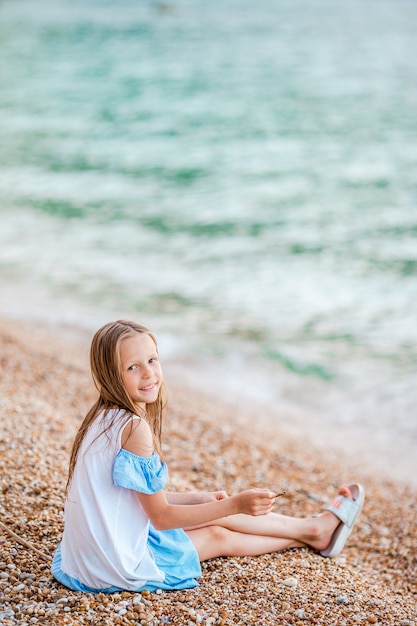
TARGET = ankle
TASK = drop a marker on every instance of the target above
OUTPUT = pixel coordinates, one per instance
(315, 530)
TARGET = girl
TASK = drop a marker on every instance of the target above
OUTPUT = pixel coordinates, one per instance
(122, 530)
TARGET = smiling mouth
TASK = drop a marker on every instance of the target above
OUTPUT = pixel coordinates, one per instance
(149, 387)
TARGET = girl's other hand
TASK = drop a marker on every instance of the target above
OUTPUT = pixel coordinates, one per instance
(255, 501)
(212, 496)
(220, 495)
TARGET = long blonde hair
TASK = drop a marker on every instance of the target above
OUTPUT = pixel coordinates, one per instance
(106, 371)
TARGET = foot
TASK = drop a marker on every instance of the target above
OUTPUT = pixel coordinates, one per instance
(324, 525)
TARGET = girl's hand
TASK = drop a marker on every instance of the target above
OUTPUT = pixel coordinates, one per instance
(211, 496)
(255, 501)
(220, 495)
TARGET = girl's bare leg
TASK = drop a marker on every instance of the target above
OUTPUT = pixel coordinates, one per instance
(213, 541)
(313, 531)
(250, 536)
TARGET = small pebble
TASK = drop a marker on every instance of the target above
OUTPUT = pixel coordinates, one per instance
(372, 619)
(290, 582)
(342, 600)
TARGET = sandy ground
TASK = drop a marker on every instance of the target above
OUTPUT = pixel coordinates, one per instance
(45, 390)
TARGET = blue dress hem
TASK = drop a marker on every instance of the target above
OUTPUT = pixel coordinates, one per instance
(76, 585)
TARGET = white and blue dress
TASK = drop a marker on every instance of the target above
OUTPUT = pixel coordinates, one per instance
(109, 544)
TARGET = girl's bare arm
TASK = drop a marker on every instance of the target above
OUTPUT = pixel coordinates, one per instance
(194, 497)
(165, 515)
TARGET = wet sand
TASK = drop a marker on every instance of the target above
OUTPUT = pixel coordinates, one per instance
(45, 390)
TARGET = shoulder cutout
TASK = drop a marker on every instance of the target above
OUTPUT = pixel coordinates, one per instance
(137, 438)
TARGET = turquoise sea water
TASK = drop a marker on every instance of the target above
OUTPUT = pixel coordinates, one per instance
(241, 176)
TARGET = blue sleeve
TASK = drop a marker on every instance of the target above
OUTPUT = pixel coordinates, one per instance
(146, 474)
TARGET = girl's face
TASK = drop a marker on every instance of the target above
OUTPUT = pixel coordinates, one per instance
(141, 370)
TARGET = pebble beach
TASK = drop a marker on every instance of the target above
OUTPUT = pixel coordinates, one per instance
(45, 390)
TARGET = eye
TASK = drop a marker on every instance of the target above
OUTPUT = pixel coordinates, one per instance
(153, 359)
(131, 368)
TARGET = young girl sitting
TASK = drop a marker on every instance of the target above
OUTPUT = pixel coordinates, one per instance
(123, 531)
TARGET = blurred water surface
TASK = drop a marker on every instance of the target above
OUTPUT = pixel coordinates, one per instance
(240, 175)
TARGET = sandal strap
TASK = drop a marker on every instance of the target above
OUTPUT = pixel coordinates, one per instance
(345, 509)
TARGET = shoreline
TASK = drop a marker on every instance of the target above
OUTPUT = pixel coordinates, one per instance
(249, 388)
(366, 447)
(44, 393)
